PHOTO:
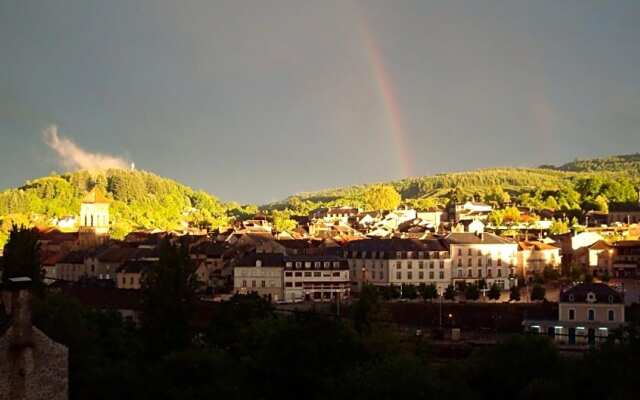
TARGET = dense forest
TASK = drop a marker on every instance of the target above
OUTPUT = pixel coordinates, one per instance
(139, 200)
(580, 185)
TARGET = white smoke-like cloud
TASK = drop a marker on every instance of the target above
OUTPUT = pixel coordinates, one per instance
(74, 157)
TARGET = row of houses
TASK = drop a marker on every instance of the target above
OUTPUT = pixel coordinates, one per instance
(246, 262)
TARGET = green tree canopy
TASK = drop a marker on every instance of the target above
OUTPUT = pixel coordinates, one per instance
(382, 197)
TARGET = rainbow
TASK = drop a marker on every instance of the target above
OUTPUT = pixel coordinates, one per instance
(384, 86)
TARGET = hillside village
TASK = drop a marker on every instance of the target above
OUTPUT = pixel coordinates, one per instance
(333, 252)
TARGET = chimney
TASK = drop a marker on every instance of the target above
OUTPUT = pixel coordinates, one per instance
(22, 329)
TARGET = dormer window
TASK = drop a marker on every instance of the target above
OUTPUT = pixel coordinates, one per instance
(298, 264)
(610, 299)
(307, 264)
(258, 263)
(571, 298)
(591, 297)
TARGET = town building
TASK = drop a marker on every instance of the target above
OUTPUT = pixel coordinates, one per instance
(335, 214)
(210, 258)
(483, 256)
(384, 262)
(130, 274)
(533, 257)
(468, 210)
(260, 273)
(625, 213)
(626, 261)
(94, 219)
(320, 277)
(587, 313)
(596, 259)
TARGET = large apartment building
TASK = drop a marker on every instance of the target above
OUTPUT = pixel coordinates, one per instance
(383, 262)
(277, 276)
(475, 257)
(260, 273)
(317, 278)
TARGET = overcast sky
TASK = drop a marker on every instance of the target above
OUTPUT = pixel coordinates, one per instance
(256, 100)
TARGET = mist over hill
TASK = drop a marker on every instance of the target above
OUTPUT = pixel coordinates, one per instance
(139, 200)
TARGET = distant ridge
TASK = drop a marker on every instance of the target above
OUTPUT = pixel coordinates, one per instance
(514, 180)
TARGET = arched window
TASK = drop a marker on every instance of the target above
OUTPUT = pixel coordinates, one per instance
(591, 315)
(612, 315)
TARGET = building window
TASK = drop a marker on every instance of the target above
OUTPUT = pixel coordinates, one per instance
(469, 273)
(288, 284)
(420, 275)
(409, 275)
(459, 262)
(298, 274)
(307, 273)
(469, 263)
(499, 273)
(253, 283)
(572, 314)
(244, 283)
(459, 252)
(263, 284)
(409, 265)
(431, 275)
(459, 273)
(611, 315)
(479, 273)
(421, 264)
(399, 275)
(469, 252)
(398, 264)
(288, 274)
(441, 274)
(591, 315)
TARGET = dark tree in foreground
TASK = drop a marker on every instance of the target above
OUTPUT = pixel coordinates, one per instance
(365, 308)
(450, 293)
(538, 292)
(21, 256)
(494, 292)
(169, 296)
(428, 292)
(409, 292)
(514, 293)
(471, 292)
